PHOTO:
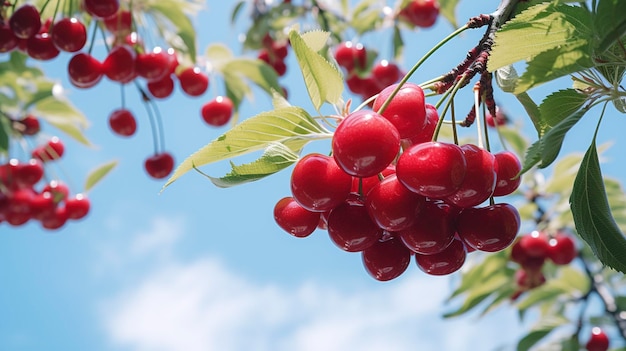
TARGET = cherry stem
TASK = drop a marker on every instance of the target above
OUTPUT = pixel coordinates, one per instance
(486, 127)
(455, 135)
(93, 37)
(42, 7)
(452, 92)
(481, 142)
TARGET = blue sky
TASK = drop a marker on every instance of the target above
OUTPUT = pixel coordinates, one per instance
(202, 268)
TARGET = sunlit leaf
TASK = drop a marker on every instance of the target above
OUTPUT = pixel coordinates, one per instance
(65, 117)
(447, 8)
(552, 141)
(255, 71)
(559, 105)
(95, 176)
(316, 39)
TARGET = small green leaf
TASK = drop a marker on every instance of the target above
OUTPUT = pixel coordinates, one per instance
(592, 214)
(552, 141)
(447, 8)
(559, 105)
(539, 331)
(236, 11)
(398, 43)
(323, 81)
(291, 126)
(95, 176)
(610, 23)
(5, 131)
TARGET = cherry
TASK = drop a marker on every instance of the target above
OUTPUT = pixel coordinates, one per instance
(350, 227)
(421, 13)
(20, 199)
(28, 173)
(193, 81)
(386, 259)
(526, 279)
(427, 133)
(84, 70)
(392, 206)
(491, 228)
(318, 184)
(102, 8)
(386, 73)
(562, 249)
(159, 165)
(25, 22)
(123, 122)
(218, 111)
(365, 143)
(77, 207)
(508, 167)
(57, 189)
(500, 119)
(598, 341)
(119, 23)
(356, 84)
(433, 229)
(162, 88)
(41, 47)
(370, 88)
(368, 183)
(52, 150)
(8, 40)
(42, 205)
(31, 125)
(295, 219)
(351, 56)
(280, 67)
(432, 169)
(529, 263)
(153, 65)
(119, 65)
(448, 261)
(480, 178)
(406, 110)
(69, 34)
(535, 244)
(56, 219)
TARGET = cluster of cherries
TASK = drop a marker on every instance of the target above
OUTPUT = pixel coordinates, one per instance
(426, 200)
(420, 13)
(27, 194)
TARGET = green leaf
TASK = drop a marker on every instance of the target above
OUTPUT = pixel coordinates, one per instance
(559, 105)
(592, 214)
(532, 110)
(540, 28)
(366, 16)
(255, 71)
(398, 43)
(5, 131)
(288, 125)
(532, 157)
(552, 141)
(95, 176)
(480, 293)
(447, 8)
(514, 138)
(316, 39)
(276, 157)
(323, 81)
(541, 330)
(65, 117)
(610, 23)
(236, 11)
(169, 15)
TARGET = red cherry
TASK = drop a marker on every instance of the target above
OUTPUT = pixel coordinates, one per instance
(350, 227)
(8, 40)
(42, 205)
(159, 165)
(40, 47)
(491, 228)
(351, 56)
(153, 65)
(280, 67)
(69, 34)
(386, 73)
(20, 199)
(365, 143)
(422, 13)
(218, 111)
(432, 169)
(529, 263)
(562, 249)
(295, 219)
(31, 125)
(119, 65)
(123, 122)
(392, 206)
(56, 219)
(426, 134)
(57, 189)
(84, 70)
(386, 259)
(318, 184)
(500, 119)
(52, 150)
(77, 207)
(448, 261)
(25, 22)
(406, 111)
(120, 23)
(193, 81)
(598, 341)
(480, 178)
(28, 173)
(535, 244)
(162, 88)
(508, 167)
(102, 8)
(433, 229)
(368, 183)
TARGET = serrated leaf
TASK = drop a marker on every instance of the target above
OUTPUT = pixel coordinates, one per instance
(276, 157)
(552, 141)
(592, 214)
(282, 125)
(95, 176)
(532, 156)
(316, 39)
(540, 28)
(323, 81)
(447, 8)
(610, 23)
(559, 105)
(539, 331)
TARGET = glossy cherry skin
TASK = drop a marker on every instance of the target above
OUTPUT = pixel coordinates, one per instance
(386, 73)
(42, 205)
(432, 169)
(490, 228)
(508, 167)
(406, 111)
(520, 256)
(101, 8)
(562, 249)
(480, 178)
(422, 13)
(598, 341)
(159, 165)
(56, 219)
(29, 173)
(433, 229)
(77, 207)
(448, 261)
(350, 227)
(218, 111)
(25, 22)
(295, 219)
(386, 259)
(122, 122)
(57, 189)
(119, 65)
(193, 81)
(535, 244)
(52, 150)
(351, 56)
(318, 184)
(153, 65)
(31, 125)
(368, 183)
(8, 40)
(84, 70)
(119, 23)
(392, 206)
(69, 34)
(162, 88)
(426, 134)
(40, 47)
(365, 143)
